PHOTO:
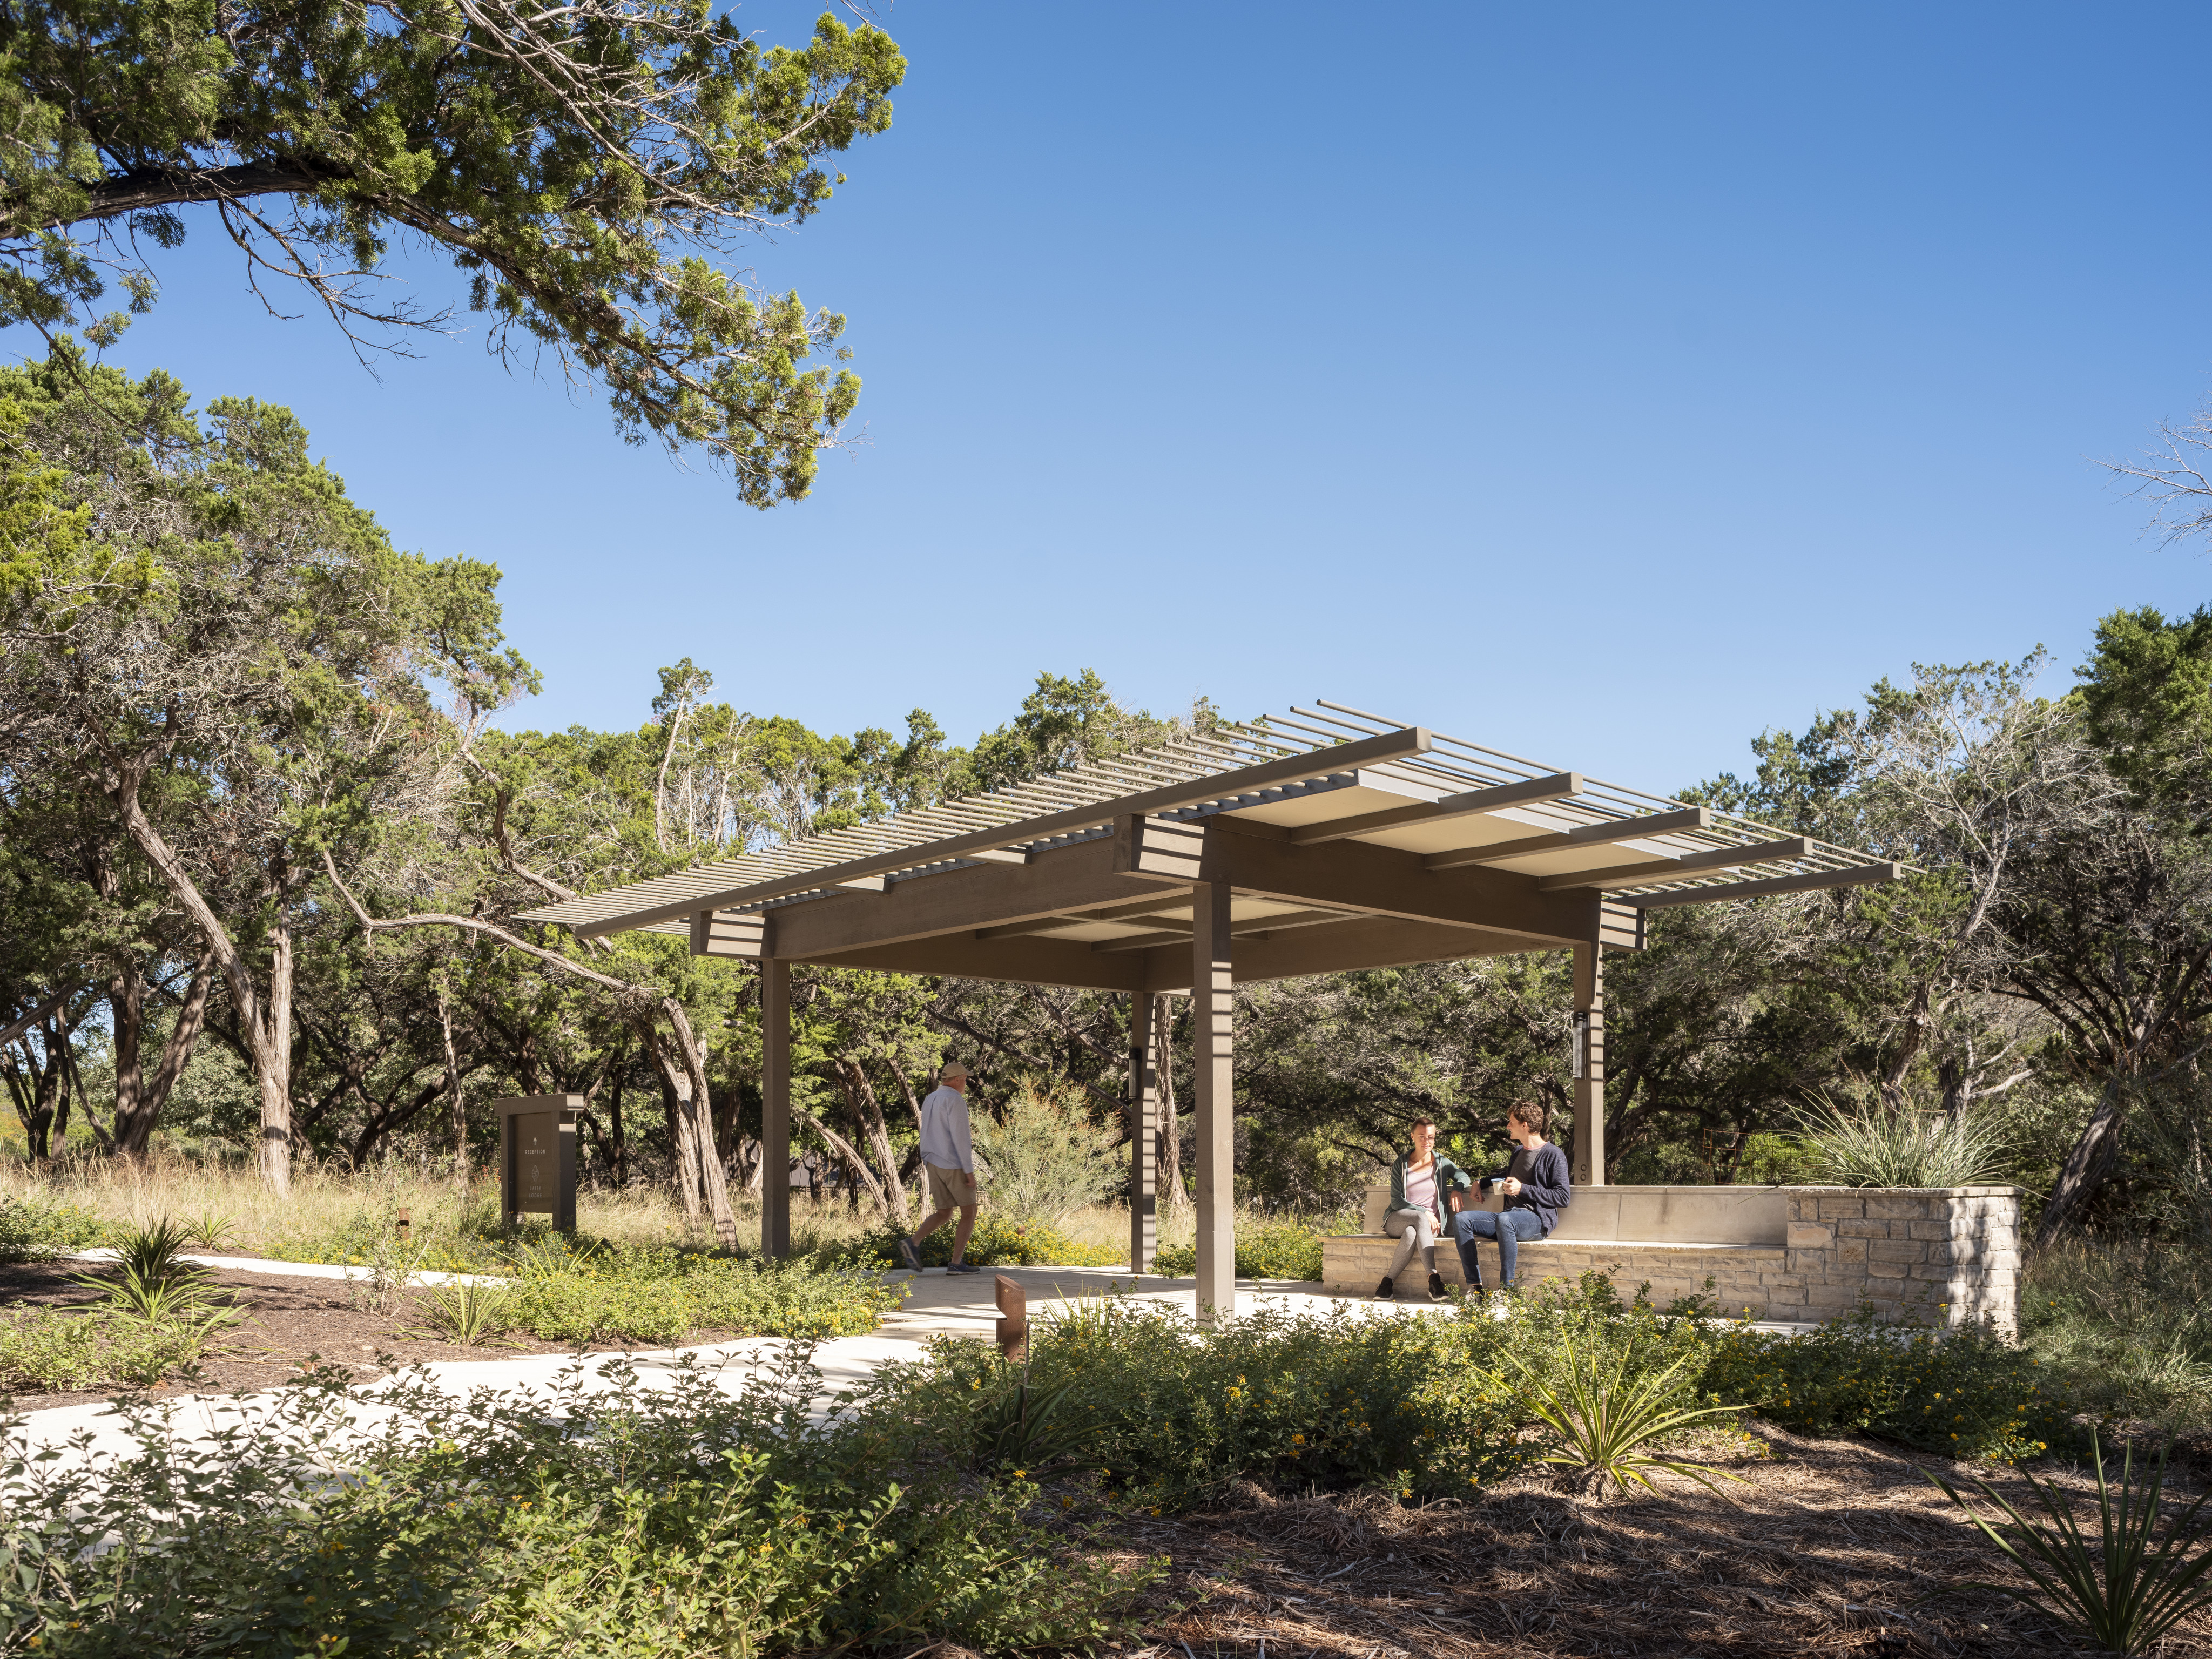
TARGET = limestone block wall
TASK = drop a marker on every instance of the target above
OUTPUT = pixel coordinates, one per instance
(1946, 1256)
(1935, 1255)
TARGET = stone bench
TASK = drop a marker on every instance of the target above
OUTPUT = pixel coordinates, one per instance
(1942, 1257)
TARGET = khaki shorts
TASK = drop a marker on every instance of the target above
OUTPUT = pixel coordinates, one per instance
(950, 1189)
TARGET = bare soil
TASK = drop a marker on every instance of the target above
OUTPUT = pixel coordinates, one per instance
(291, 1324)
(1836, 1546)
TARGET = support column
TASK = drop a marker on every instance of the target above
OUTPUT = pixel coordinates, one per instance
(1589, 1066)
(775, 1108)
(1143, 1099)
(1212, 1051)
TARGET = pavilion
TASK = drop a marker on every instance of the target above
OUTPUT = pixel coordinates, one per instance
(1325, 840)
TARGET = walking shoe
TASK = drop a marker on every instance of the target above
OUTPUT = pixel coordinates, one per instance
(961, 1267)
(910, 1255)
(1435, 1287)
(1385, 1289)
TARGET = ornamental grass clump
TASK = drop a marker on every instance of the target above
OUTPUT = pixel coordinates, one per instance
(1870, 1146)
(2125, 1591)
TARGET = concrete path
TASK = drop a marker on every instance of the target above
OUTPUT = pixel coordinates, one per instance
(254, 1264)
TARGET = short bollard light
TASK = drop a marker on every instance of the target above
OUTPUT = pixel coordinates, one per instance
(1013, 1319)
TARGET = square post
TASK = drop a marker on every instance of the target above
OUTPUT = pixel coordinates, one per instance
(1212, 1055)
(1590, 1065)
(775, 1108)
(1143, 1099)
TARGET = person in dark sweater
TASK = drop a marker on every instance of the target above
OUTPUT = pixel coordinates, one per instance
(1535, 1188)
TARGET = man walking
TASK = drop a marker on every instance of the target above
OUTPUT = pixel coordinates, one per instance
(948, 1162)
(1535, 1188)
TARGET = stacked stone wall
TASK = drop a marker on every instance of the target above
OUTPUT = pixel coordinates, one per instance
(1944, 1256)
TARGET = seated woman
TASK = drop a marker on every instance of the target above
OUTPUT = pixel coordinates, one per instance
(1418, 1205)
(1535, 1188)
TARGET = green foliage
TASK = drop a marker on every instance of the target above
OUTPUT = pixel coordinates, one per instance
(38, 1230)
(586, 173)
(1606, 1407)
(2126, 1322)
(55, 1350)
(637, 1521)
(661, 1295)
(1027, 1429)
(2147, 692)
(1965, 1394)
(1265, 1249)
(468, 1314)
(2124, 1592)
(996, 1242)
(1174, 1411)
(1868, 1145)
(1041, 1158)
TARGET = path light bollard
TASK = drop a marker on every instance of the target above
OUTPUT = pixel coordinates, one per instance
(403, 1234)
(1013, 1319)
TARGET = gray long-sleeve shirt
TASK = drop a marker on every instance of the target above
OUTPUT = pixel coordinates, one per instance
(944, 1131)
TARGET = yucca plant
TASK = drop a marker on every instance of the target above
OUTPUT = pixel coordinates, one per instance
(1604, 1418)
(210, 1229)
(469, 1314)
(1856, 1145)
(156, 1284)
(2124, 1592)
(1026, 1428)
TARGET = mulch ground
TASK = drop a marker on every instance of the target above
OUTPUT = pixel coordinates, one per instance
(1837, 1547)
(290, 1324)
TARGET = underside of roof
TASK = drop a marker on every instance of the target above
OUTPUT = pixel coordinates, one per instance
(1321, 823)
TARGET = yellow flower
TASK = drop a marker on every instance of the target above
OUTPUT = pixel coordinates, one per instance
(1297, 1440)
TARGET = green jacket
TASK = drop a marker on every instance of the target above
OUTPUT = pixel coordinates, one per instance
(1450, 1178)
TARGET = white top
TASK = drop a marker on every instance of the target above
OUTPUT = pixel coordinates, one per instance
(944, 1131)
(1421, 1187)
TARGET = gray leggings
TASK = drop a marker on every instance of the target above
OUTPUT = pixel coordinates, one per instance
(1415, 1228)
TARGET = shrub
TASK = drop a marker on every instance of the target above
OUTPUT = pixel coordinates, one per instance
(1171, 1411)
(997, 1242)
(38, 1230)
(2127, 1322)
(1042, 1157)
(1964, 1394)
(1606, 1410)
(53, 1350)
(668, 1518)
(1869, 1145)
(1265, 1249)
(657, 1295)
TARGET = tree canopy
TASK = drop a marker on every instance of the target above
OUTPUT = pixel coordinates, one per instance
(591, 168)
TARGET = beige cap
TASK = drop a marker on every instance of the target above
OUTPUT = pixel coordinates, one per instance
(951, 1069)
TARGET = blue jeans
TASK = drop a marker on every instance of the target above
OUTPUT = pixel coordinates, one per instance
(1507, 1227)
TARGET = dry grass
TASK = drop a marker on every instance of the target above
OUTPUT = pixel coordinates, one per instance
(1837, 1547)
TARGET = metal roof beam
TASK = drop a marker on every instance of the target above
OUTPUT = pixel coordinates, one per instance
(1318, 763)
(1690, 863)
(1857, 875)
(1589, 834)
(1529, 791)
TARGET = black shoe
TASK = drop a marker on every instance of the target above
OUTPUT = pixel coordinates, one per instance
(910, 1255)
(961, 1267)
(1435, 1287)
(1385, 1289)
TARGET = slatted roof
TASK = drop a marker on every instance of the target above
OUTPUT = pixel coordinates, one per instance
(1326, 777)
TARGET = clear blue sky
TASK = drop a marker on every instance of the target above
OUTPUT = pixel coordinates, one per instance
(1604, 383)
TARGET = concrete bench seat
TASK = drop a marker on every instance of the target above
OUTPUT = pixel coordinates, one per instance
(1944, 1256)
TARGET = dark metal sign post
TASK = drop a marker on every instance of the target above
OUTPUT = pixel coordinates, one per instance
(537, 1157)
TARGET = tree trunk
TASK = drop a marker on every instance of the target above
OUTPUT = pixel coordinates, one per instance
(855, 1164)
(862, 1094)
(457, 1123)
(1178, 1194)
(138, 1098)
(2088, 1164)
(714, 1188)
(675, 1088)
(268, 1043)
